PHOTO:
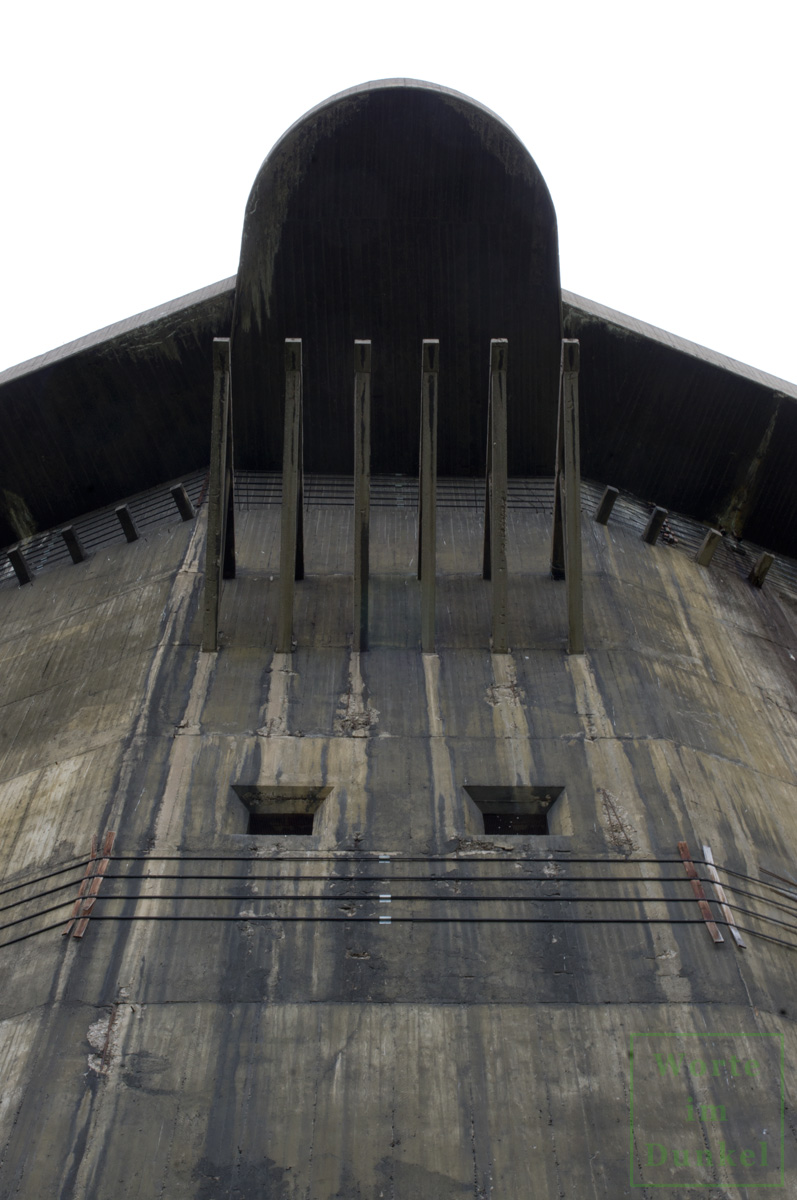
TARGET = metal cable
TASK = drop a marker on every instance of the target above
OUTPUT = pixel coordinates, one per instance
(23, 937)
(741, 875)
(373, 856)
(729, 887)
(768, 937)
(386, 879)
(420, 878)
(393, 880)
(40, 895)
(42, 913)
(409, 920)
(83, 862)
(406, 898)
(376, 856)
(426, 920)
(760, 916)
(427, 898)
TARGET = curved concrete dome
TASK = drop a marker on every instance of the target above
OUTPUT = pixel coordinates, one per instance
(397, 211)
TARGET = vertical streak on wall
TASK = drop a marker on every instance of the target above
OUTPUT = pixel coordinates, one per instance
(275, 718)
(446, 813)
(347, 759)
(100, 1118)
(510, 723)
(185, 751)
(612, 779)
(186, 581)
(186, 744)
(186, 747)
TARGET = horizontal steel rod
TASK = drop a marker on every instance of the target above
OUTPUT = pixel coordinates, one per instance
(767, 937)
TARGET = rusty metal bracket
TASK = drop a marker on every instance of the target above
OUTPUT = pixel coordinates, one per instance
(90, 886)
(700, 895)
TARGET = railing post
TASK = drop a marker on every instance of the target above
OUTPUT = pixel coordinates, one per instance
(572, 455)
(362, 489)
(495, 495)
(291, 540)
(220, 547)
(427, 514)
(566, 536)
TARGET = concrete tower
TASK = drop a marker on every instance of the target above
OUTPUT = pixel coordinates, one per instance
(398, 729)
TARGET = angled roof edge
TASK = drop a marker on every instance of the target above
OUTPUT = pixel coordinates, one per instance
(611, 316)
(589, 308)
(109, 333)
(128, 406)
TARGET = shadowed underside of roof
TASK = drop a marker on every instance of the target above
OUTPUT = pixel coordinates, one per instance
(437, 224)
(129, 407)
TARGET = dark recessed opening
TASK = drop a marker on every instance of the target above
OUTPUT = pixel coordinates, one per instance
(276, 823)
(515, 811)
(517, 823)
(277, 810)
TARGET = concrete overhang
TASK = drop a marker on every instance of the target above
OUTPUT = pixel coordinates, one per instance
(128, 407)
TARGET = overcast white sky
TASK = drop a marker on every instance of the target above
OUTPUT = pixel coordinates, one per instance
(131, 135)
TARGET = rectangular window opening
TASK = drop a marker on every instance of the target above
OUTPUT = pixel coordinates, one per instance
(269, 823)
(277, 810)
(535, 824)
(511, 811)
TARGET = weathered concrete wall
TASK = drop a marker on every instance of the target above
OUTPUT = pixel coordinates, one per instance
(349, 1059)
